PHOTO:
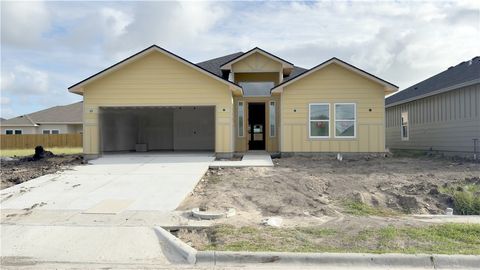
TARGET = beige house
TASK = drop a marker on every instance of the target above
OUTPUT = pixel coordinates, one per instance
(156, 100)
(55, 120)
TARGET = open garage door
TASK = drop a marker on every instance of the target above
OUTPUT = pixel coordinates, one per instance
(183, 128)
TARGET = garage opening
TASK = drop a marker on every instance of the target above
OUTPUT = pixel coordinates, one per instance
(186, 128)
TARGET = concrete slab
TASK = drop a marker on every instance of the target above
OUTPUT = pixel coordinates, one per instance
(150, 182)
(250, 159)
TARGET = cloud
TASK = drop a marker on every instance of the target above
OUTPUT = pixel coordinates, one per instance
(23, 23)
(24, 80)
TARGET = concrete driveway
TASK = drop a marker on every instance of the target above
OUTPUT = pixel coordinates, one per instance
(99, 213)
(116, 182)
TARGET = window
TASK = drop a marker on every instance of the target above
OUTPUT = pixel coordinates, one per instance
(240, 118)
(51, 131)
(272, 118)
(404, 127)
(319, 118)
(256, 89)
(11, 131)
(345, 118)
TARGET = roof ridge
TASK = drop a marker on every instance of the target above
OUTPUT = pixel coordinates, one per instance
(240, 52)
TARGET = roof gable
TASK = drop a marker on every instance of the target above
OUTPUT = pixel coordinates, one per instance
(228, 65)
(389, 87)
(463, 74)
(78, 87)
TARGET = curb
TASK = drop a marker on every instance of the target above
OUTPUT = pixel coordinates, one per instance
(425, 261)
(394, 260)
(185, 251)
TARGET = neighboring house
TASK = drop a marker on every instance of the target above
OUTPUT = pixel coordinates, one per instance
(156, 100)
(441, 113)
(55, 120)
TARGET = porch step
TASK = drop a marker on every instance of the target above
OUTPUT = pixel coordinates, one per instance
(250, 159)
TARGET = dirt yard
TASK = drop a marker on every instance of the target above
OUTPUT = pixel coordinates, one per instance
(17, 171)
(361, 204)
(305, 187)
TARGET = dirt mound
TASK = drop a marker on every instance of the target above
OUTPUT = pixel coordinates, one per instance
(13, 172)
(320, 186)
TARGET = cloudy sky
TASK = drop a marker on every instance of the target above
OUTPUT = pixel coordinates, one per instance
(48, 46)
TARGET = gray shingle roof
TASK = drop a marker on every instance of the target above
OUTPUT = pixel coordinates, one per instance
(72, 113)
(461, 73)
(213, 65)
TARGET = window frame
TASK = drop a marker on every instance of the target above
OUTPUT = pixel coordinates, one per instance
(57, 130)
(11, 130)
(310, 121)
(345, 120)
(242, 135)
(43, 131)
(272, 131)
(14, 131)
(404, 138)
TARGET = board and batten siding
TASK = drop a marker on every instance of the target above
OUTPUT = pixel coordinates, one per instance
(157, 80)
(333, 84)
(444, 122)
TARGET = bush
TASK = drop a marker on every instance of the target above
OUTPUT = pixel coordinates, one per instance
(466, 203)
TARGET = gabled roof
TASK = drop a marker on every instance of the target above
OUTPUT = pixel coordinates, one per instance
(463, 74)
(227, 65)
(213, 65)
(77, 88)
(68, 114)
(389, 87)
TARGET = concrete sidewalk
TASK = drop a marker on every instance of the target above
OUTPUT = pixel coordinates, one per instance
(250, 159)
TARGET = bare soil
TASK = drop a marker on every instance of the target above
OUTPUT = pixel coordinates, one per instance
(17, 171)
(304, 190)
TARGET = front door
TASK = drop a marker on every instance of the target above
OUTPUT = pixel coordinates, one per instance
(256, 126)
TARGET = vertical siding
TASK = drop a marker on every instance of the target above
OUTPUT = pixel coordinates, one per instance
(445, 122)
(333, 84)
(158, 80)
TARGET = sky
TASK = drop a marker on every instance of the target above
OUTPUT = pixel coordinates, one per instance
(48, 46)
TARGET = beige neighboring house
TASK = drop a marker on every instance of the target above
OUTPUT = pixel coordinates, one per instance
(155, 100)
(55, 120)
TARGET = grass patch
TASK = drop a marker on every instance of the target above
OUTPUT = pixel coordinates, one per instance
(466, 198)
(435, 239)
(362, 209)
(29, 152)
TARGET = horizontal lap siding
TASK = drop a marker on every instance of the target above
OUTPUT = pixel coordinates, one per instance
(445, 122)
(333, 84)
(158, 80)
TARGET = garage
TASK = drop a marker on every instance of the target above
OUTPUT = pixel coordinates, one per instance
(175, 128)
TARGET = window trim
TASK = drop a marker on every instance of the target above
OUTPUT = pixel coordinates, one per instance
(403, 138)
(243, 119)
(354, 120)
(274, 129)
(310, 121)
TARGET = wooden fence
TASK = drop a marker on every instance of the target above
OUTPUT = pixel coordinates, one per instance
(29, 141)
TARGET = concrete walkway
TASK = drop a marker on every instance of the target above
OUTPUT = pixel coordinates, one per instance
(250, 159)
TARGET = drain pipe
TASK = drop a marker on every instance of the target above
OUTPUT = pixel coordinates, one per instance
(475, 148)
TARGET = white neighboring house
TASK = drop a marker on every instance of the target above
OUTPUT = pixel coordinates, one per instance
(56, 120)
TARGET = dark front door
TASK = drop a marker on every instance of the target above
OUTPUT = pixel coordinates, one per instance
(256, 126)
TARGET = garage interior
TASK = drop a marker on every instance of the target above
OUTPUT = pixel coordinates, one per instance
(185, 128)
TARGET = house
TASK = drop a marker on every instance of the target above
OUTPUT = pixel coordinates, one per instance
(55, 120)
(156, 100)
(441, 113)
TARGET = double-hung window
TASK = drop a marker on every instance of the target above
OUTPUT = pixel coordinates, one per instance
(319, 120)
(51, 131)
(404, 127)
(345, 120)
